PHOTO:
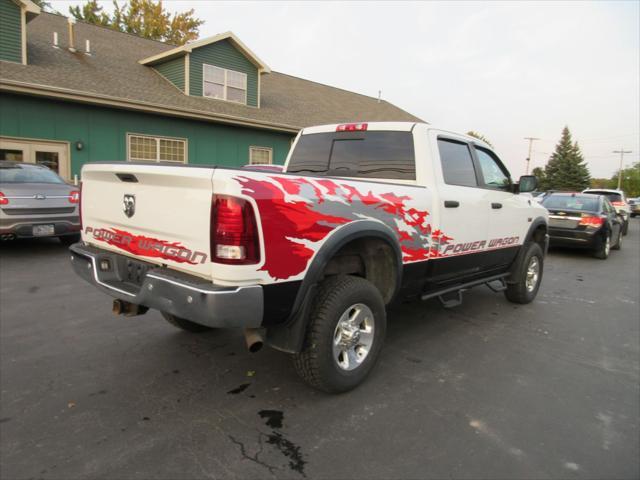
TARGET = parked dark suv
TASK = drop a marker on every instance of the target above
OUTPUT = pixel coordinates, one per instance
(584, 221)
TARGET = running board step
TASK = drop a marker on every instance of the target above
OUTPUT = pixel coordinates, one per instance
(452, 302)
(457, 291)
(501, 287)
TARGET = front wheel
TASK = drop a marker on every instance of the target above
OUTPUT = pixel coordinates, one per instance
(618, 244)
(525, 288)
(625, 227)
(346, 331)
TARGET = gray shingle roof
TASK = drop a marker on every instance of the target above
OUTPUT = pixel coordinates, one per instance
(112, 72)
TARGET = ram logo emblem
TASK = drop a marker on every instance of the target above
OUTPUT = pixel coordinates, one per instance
(129, 205)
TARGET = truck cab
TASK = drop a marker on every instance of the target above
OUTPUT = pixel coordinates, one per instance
(307, 259)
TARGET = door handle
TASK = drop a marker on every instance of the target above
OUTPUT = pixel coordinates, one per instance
(451, 204)
(496, 206)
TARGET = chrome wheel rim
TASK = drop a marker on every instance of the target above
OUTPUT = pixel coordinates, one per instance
(607, 245)
(353, 337)
(533, 274)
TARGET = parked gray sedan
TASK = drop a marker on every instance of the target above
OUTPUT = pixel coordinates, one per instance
(36, 202)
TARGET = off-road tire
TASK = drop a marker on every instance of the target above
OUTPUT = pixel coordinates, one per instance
(601, 251)
(517, 291)
(184, 324)
(316, 364)
(69, 239)
(618, 244)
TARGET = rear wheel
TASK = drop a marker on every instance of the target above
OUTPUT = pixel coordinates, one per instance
(186, 325)
(603, 247)
(345, 335)
(625, 227)
(525, 288)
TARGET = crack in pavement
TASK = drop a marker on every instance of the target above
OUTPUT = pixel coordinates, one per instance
(254, 458)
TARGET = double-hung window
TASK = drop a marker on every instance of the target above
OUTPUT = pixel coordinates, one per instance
(260, 156)
(156, 149)
(224, 84)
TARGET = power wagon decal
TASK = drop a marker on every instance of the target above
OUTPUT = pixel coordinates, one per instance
(147, 246)
(298, 213)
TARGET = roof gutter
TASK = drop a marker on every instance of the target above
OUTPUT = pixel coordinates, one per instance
(105, 100)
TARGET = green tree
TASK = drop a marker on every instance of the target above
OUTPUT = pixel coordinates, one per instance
(601, 182)
(538, 172)
(44, 5)
(91, 12)
(146, 18)
(566, 169)
(479, 136)
(630, 180)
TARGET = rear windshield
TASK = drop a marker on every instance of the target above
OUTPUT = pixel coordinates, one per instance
(27, 174)
(586, 203)
(612, 196)
(355, 154)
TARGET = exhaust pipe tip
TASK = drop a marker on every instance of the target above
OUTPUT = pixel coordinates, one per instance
(253, 339)
(118, 307)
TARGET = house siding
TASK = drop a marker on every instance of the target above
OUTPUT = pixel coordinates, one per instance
(10, 31)
(173, 70)
(224, 55)
(103, 132)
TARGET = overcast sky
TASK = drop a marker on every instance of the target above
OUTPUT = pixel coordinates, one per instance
(508, 70)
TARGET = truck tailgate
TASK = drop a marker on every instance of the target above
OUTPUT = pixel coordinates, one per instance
(157, 213)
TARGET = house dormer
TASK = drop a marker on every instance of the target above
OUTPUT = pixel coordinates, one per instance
(14, 15)
(220, 67)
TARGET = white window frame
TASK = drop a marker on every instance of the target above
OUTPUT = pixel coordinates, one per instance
(157, 140)
(254, 148)
(226, 84)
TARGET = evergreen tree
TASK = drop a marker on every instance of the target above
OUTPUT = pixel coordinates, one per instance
(566, 169)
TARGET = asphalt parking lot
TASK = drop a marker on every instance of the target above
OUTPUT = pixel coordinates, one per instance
(485, 390)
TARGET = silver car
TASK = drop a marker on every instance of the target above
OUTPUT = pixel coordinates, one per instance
(36, 202)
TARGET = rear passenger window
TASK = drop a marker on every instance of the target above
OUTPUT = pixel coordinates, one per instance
(457, 163)
(388, 155)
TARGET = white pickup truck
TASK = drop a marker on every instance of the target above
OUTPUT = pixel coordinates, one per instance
(308, 258)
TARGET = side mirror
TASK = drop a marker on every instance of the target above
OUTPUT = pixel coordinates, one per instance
(527, 183)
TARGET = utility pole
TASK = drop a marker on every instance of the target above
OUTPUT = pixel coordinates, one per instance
(622, 151)
(531, 140)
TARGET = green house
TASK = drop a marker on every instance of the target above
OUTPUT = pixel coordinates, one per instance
(72, 93)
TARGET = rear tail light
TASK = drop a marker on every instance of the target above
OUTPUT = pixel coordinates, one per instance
(80, 205)
(592, 221)
(352, 127)
(618, 204)
(234, 234)
(3, 200)
(74, 196)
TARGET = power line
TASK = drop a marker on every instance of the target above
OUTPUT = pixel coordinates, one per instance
(531, 140)
(622, 151)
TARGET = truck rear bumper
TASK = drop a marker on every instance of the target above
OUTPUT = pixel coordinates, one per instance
(182, 295)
